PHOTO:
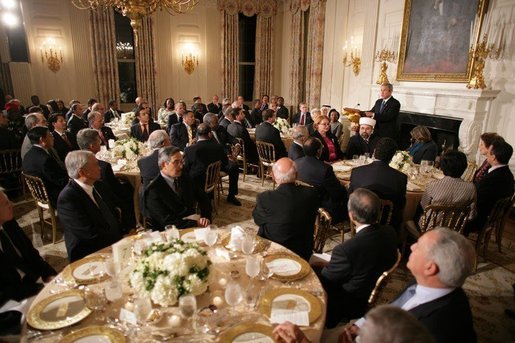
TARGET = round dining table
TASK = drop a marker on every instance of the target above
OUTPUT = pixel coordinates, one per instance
(62, 311)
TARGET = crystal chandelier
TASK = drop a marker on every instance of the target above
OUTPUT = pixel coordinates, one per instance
(135, 10)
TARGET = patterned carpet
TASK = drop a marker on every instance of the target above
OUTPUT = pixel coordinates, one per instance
(489, 289)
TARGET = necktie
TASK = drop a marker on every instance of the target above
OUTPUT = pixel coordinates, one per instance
(482, 171)
(102, 137)
(383, 104)
(190, 134)
(301, 121)
(106, 212)
(144, 132)
(216, 137)
(177, 186)
(65, 139)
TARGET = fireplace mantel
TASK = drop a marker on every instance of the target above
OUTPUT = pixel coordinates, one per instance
(472, 106)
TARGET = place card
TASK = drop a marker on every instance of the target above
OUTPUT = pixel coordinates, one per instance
(300, 318)
(324, 257)
(122, 251)
(128, 316)
(283, 266)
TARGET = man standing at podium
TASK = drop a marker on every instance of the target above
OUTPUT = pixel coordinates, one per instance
(385, 112)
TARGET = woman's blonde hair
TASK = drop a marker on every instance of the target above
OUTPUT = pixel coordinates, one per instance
(421, 134)
(319, 119)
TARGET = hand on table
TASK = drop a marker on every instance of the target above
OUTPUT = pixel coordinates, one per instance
(289, 333)
(348, 334)
(203, 222)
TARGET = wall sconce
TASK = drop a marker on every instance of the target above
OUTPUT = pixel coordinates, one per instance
(478, 54)
(189, 57)
(355, 56)
(51, 55)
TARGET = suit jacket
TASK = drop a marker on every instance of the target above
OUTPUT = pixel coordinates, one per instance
(61, 147)
(225, 123)
(137, 132)
(110, 115)
(75, 124)
(387, 182)
(287, 215)
(172, 120)
(224, 138)
(211, 107)
(295, 151)
(13, 286)
(38, 162)
(282, 112)
(325, 150)
(268, 133)
(149, 167)
(8, 139)
(84, 226)
(166, 207)
(255, 117)
(332, 193)
(179, 135)
(307, 119)
(199, 156)
(237, 130)
(358, 146)
(386, 121)
(428, 151)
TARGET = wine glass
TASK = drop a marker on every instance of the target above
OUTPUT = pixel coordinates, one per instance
(113, 290)
(142, 308)
(252, 266)
(362, 160)
(110, 267)
(211, 237)
(188, 306)
(233, 294)
(247, 243)
(355, 159)
(423, 167)
(95, 302)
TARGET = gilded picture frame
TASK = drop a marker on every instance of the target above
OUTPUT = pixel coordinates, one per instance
(436, 39)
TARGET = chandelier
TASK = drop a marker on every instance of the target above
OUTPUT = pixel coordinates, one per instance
(135, 10)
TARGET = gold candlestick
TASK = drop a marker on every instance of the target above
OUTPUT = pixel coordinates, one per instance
(479, 54)
(383, 57)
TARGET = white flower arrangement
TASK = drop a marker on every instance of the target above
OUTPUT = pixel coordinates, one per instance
(167, 271)
(401, 161)
(127, 118)
(129, 148)
(282, 125)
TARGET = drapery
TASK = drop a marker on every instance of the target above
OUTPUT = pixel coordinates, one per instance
(145, 64)
(264, 70)
(103, 51)
(230, 56)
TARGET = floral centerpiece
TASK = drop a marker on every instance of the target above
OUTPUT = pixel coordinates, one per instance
(401, 161)
(282, 125)
(166, 271)
(129, 148)
(128, 118)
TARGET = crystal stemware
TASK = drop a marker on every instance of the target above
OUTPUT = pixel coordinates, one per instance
(248, 243)
(233, 294)
(188, 306)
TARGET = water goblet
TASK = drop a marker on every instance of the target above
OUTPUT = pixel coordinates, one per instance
(211, 237)
(188, 306)
(142, 308)
(423, 167)
(355, 159)
(233, 294)
(113, 290)
(362, 160)
(248, 243)
(96, 302)
(110, 267)
(253, 266)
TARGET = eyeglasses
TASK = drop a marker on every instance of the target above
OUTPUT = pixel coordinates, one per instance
(177, 162)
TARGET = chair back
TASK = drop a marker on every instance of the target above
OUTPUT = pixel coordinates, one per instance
(468, 174)
(381, 281)
(241, 155)
(495, 223)
(451, 216)
(37, 190)
(10, 161)
(266, 153)
(212, 176)
(322, 227)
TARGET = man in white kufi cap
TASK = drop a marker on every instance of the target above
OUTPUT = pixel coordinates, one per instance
(365, 141)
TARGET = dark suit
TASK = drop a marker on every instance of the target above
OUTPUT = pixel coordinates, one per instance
(179, 135)
(282, 112)
(86, 229)
(353, 271)
(358, 146)
(224, 123)
(199, 156)
(166, 207)
(172, 120)
(295, 151)
(61, 146)
(387, 182)
(149, 167)
(38, 162)
(224, 138)
(8, 139)
(211, 107)
(332, 193)
(137, 131)
(266, 132)
(236, 129)
(111, 114)
(199, 110)
(287, 215)
(427, 151)
(307, 118)
(108, 134)
(386, 121)
(255, 117)
(325, 150)
(75, 124)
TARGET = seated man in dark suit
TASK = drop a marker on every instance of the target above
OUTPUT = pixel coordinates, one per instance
(219, 134)
(319, 174)
(96, 122)
(287, 214)
(112, 113)
(199, 156)
(303, 117)
(300, 134)
(440, 261)
(229, 116)
(282, 111)
(8, 139)
(148, 166)
(350, 276)
(364, 142)
(22, 269)
(214, 106)
(495, 185)
(76, 121)
(144, 127)
(387, 182)
(266, 132)
(176, 116)
(119, 193)
(238, 130)
(185, 133)
(172, 195)
(40, 161)
(88, 219)
(64, 141)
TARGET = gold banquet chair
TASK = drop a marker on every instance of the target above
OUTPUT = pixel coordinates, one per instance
(212, 178)
(322, 227)
(382, 280)
(266, 153)
(10, 170)
(241, 158)
(38, 191)
(468, 174)
(495, 223)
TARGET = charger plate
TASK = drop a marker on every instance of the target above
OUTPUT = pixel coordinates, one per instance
(86, 271)
(293, 298)
(248, 333)
(288, 267)
(95, 334)
(261, 244)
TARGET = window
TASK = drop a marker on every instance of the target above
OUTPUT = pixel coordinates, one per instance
(126, 58)
(247, 62)
(15, 29)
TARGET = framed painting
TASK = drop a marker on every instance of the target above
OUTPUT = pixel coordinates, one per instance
(436, 39)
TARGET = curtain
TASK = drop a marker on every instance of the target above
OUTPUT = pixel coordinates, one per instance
(230, 55)
(298, 34)
(103, 51)
(145, 64)
(315, 52)
(264, 57)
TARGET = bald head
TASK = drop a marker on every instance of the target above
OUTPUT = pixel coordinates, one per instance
(284, 171)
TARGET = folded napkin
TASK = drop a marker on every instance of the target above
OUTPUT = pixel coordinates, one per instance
(341, 168)
(413, 187)
(289, 308)
(237, 234)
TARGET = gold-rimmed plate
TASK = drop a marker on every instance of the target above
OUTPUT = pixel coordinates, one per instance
(58, 311)
(287, 267)
(291, 299)
(95, 334)
(248, 332)
(86, 271)
(261, 244)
